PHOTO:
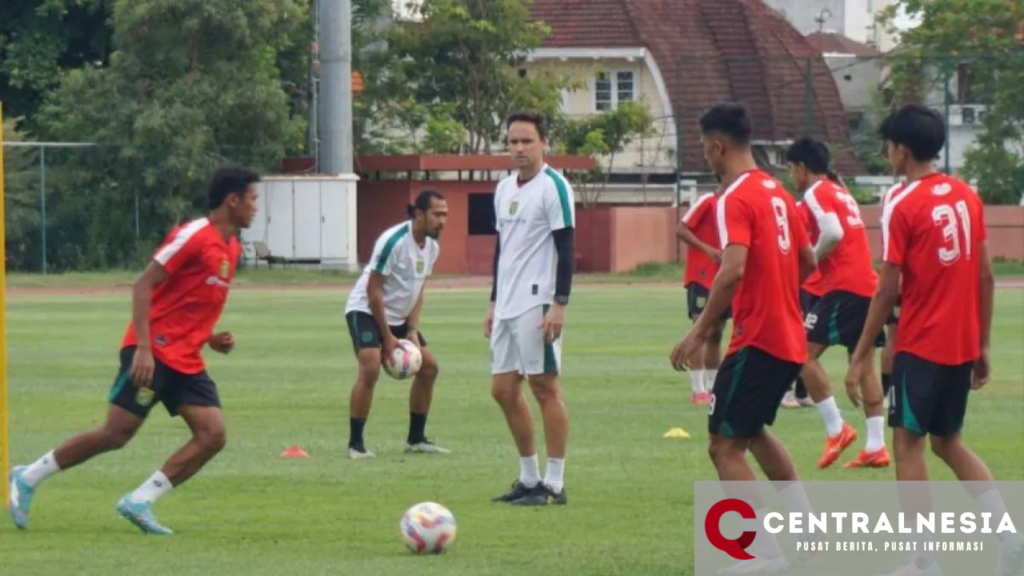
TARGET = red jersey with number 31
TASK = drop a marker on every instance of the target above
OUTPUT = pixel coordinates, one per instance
(185, 308)
(932, 229)
(757, 212)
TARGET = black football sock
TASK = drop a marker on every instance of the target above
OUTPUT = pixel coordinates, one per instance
(417, 425)
(886, 384)
(355, 439)
(801, 390)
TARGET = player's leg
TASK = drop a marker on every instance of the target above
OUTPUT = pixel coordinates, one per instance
(542, 362)
(125, 416)
(507, 390)
(366, 341)
(822, 324)
(696, 299)
(421, 395)
(798, 396)
(888, 353)
(852, 316)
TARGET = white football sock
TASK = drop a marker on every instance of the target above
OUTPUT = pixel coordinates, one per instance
(795, 498)
(553, 474)
(709, 379)
(41, 469)
(829, 412)
(529, 471)
(992, 502)
(765, 545)
(876, 434)
(152, 489)
(696, 381)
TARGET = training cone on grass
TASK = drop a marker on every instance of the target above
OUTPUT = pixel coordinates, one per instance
(676, 433)
(294, 451)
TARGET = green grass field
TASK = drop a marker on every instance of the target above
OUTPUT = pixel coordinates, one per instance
(252, 512)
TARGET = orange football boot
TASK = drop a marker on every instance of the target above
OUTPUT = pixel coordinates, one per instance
(835, 445)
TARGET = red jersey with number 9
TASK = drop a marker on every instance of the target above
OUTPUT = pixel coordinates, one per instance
(932, 229)
(757, 212)
(185, 308)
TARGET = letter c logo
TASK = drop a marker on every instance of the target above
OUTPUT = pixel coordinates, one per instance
(735, 548)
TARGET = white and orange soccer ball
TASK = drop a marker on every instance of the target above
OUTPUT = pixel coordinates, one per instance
(428, 528)
(404, 362)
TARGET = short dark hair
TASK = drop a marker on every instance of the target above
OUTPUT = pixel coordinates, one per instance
(917, 127)
(228, 180)
(730, 119)
(811, 153)
(422, 202)
(535, 118)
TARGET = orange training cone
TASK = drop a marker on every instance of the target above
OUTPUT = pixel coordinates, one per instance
(294, 451)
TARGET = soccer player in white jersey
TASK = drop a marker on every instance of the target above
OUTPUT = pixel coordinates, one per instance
(385, 306)
(533, 267)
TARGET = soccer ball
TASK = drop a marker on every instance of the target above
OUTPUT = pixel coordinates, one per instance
(427, 528)
(404, 362)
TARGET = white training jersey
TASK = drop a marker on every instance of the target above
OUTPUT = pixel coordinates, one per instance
(405, 266)
(526, 216)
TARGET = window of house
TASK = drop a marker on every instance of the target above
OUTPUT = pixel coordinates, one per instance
(613, 87)
(481, 214)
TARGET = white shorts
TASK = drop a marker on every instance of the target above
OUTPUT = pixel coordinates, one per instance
(517, 345)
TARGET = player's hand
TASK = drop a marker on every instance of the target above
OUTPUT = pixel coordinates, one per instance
(143, 366)
(414, 336)
(682, 353)
(222, 342)
(489, 322)
(858, 373)
(982, 370)
(553, 322)
(389, 344)
(716, 255)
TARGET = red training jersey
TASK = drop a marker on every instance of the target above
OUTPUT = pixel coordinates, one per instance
(932, 229)
(848, 267)
(757, 212)
(185, 308)
(815, 283)
(701, 219)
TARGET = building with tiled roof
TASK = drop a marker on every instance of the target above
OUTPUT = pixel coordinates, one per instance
(683, 56)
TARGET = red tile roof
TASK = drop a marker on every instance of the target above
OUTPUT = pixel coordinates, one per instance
(710, 51)
(834, 42)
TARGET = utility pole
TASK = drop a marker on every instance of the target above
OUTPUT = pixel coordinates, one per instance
(335, 102)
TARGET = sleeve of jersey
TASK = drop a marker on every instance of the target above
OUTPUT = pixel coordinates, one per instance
(382, 260)
(894, 237)
(181, 248)
(696, 212)
(798, 228)
(560, 204)
(734, 222)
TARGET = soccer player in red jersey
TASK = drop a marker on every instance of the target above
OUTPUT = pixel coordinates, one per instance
(176, 303)
(844, 260)
(766, 257)
(934, 236)
(699, 230)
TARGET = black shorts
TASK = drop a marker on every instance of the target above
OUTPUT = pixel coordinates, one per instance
(366, 334)
(172, 388)
(697, 299)
(807, 301)
(747, 392)
(838, 317)
(928, 398)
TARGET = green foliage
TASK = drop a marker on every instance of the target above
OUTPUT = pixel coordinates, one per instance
(982, 37)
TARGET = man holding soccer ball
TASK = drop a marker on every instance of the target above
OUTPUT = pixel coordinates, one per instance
(384, 306)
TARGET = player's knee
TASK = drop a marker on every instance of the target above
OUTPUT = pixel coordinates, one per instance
(212, 440)
(116, 436)
(944, 447)
(545, 388)
(430, 367)
(369, 369)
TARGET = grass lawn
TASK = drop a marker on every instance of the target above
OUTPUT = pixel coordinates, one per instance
(251, 512)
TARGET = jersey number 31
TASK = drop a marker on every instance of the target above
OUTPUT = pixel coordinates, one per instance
(944, 215)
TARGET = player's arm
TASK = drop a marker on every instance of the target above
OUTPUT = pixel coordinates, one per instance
(684, 231)
(375, 294)
(829, 227)
(894, 237)
(414, 315)
(987, 293)
(734, 230)
(808, 262)
(494, 270)
(142, 298)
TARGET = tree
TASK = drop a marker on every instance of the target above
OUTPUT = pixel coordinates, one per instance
(979, 41)
(192, 84)
(468, 53)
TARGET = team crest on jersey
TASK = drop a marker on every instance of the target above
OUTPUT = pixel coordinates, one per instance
(942, 189)
(769, 184)
(225, 267)
(420, 265)
(512, 207)
(145, 396)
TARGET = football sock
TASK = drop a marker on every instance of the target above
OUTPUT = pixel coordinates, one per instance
(886, 383)
(41, 469)
(830, 415)
(876, 434)
(152, 489)
(696, 381)
(801, 389)
(553, 475)
(355, 439)
(417, 423)
(529, 471)
(709, 379)
(992, 502)
(765, 544)
(795, 498)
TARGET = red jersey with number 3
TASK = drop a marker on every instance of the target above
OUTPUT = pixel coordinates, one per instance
(932, 229)
(700, 218)
(185, 308)
(815, 283)
(757, 212)
(848, 267)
